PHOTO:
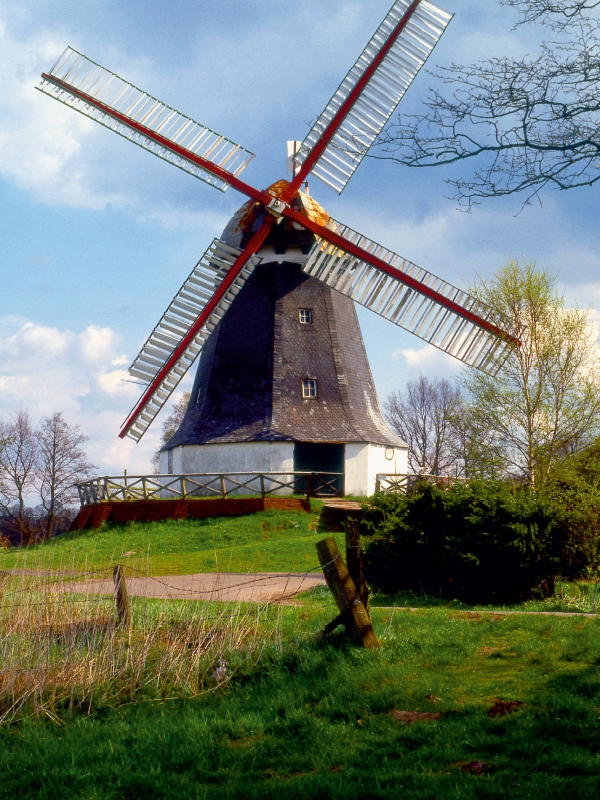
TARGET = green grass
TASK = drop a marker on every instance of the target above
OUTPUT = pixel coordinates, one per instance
(569, 597)
(313, 721)
(268, 541)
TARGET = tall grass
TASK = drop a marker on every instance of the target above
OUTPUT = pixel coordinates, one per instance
(62, 648)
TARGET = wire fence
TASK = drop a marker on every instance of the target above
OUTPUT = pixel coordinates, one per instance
(65, 643)
(97, 584)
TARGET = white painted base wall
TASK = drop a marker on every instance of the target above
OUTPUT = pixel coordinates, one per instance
(363, 461)
(237, 457)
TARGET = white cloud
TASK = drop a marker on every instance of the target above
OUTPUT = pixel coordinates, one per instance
(428, 359)
(97, 344)
(583, 294)
(40, 145)
(64, 159)
(45, 369)
(173, 218)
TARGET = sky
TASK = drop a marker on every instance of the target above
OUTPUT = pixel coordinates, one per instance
(96, 235)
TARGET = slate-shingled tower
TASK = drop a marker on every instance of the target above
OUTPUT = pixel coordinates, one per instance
(287, 336)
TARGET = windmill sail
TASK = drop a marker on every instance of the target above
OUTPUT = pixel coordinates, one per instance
(183, 311)
(87, 87)
(377, 99)
(479, 345)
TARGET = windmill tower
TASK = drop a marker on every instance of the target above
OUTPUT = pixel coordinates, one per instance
(283, 381)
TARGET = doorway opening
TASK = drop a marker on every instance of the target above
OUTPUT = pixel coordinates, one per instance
(317, 457)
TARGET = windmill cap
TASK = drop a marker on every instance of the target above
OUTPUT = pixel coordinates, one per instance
(248, 218)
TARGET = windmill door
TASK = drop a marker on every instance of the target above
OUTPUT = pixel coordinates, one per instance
(320, 458)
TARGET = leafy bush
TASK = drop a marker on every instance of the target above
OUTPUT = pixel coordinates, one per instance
(573, 492)
(479, 543)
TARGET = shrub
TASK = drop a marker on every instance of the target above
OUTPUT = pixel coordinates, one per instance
(479, 543)
(573, 492)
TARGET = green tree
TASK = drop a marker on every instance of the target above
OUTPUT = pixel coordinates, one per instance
(480, 542)
(573, 490)
(545, 401)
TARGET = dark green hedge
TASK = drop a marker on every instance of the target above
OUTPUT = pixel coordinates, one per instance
(482, 543)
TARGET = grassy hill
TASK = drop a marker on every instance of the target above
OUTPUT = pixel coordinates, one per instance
(268, 541)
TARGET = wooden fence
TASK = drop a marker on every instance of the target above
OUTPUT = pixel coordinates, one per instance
(390, 483)
(147, 487)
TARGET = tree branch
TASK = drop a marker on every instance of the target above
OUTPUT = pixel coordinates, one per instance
(530, 123)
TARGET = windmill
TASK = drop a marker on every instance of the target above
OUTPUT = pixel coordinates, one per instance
(283, 379)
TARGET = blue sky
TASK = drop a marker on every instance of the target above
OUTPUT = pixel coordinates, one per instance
(97, 235)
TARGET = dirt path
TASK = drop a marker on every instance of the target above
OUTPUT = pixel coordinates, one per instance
(254, 587)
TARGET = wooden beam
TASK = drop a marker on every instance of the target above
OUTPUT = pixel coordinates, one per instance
(122, 595)
(354, 561)
(346, 597)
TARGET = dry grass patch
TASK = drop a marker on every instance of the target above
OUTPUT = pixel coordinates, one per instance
(62, 651)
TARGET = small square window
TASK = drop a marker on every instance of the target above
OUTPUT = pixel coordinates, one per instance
(305, 316)
(309, 388)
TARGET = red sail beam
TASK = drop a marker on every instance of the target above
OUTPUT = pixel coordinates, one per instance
(346, 106)
(237, 183)
(265, 199)
(378, 263)
(251, 248)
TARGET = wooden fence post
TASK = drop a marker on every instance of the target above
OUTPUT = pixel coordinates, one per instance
(309, 485)
(121, 596)
(352, 611)
(354, 561)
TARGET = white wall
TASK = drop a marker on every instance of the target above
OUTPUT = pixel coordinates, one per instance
(356, 467)
(238, 457)
(385, 460)
(365, 461)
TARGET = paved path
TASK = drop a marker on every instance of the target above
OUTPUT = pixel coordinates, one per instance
(261, 587)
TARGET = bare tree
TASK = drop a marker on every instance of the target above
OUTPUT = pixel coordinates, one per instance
(61, 463)
(421, 417)
(18, 463)
(557, 13)
(526, 123)
(170, 426)
(475, 447)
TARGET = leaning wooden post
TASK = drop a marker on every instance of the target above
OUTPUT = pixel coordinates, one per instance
(121, 596)
(352, 611)
(354, 561)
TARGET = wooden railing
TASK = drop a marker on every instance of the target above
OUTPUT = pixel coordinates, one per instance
(147, 487)
(392, 483)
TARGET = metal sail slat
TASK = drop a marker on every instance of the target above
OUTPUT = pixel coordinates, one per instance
(75, 71)
(154, 354)
(381, 95)
(407, 306)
